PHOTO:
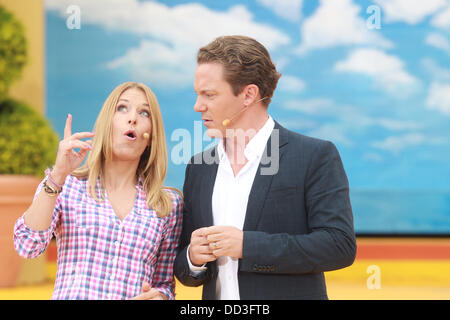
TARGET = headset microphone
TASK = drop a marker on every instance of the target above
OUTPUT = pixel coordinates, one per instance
(146, 136)
(227, 122)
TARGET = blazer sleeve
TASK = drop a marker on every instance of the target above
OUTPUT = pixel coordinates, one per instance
(330, 243)
(181, 265)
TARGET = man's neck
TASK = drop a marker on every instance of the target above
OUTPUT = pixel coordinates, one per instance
(238, 138)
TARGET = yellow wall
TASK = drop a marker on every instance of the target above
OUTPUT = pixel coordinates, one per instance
(30, 88)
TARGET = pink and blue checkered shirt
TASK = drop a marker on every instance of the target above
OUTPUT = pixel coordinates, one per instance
(100, 256)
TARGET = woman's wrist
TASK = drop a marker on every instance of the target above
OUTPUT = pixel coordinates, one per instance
(55, 177)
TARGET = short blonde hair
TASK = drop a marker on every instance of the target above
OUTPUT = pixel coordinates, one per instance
(152, 166)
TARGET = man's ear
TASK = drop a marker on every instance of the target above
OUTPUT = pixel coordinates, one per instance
(250, 94)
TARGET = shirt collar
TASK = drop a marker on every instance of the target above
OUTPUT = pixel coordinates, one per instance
(256, 145)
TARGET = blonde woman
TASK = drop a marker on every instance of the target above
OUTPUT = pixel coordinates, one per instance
(116, 225)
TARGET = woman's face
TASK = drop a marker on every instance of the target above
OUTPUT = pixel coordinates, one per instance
(131, 120)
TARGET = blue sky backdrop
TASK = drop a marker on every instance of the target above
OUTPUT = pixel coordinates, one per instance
(378, 88)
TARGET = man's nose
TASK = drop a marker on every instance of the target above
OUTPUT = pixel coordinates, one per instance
(199, 106)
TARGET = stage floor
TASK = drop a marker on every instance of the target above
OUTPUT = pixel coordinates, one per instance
(388, 269)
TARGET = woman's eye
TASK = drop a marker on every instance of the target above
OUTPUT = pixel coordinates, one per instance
(145, 113)
(122, 108)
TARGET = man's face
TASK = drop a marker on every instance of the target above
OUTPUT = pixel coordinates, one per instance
(215, 98)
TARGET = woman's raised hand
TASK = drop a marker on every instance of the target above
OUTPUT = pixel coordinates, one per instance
(67, 159)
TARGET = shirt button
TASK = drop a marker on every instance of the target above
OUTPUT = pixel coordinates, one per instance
(117, 243)
(111, 277)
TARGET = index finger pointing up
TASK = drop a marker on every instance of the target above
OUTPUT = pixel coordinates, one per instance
(68, 127)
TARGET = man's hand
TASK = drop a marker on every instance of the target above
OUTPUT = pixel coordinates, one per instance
(225, 241)
(199, 249)
(149, 293)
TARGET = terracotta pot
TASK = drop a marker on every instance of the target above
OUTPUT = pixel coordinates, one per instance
(16, 195)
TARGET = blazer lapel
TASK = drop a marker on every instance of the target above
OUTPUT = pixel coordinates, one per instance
(264, 176)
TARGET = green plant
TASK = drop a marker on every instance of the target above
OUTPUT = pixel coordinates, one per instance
(28, 144)
(13, 50)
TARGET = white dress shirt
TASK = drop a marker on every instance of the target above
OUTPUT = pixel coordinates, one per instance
(229, 204)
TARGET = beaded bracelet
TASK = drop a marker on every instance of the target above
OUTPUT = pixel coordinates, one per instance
(50, 190)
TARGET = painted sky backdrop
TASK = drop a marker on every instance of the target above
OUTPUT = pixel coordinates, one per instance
(378, 88)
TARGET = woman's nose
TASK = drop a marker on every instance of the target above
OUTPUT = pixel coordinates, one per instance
(133, 118)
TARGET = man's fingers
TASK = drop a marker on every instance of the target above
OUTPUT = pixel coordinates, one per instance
(199, 232)
(200, 254)
(68, 127)
(219, 252)
(208, 257)
(215, 230)
(200, 249)
(214, 237)
(214, 245)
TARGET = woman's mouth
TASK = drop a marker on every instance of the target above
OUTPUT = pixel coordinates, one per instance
(130, 135)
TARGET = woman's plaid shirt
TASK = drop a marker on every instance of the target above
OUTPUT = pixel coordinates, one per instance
(100, 256)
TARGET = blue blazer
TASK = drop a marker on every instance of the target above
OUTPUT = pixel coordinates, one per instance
(298, 223)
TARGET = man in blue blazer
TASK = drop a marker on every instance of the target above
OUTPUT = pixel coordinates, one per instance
(267, 210)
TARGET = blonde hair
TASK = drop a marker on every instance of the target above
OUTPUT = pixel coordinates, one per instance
(152, 166)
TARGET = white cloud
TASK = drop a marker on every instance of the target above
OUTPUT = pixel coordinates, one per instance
(438, 41)
(442, 19)
(439, 97)
(343, 123)
(337, 23)
(313, 106)
(387, 70)
(298, 123)
(409, 11)
(157, 64)
(170, 35)
(372, 157)
(287, 9)
(290, 83)
(331, 131)
(436, 71)
(396, 144)
(396, 125)
(351, 115)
